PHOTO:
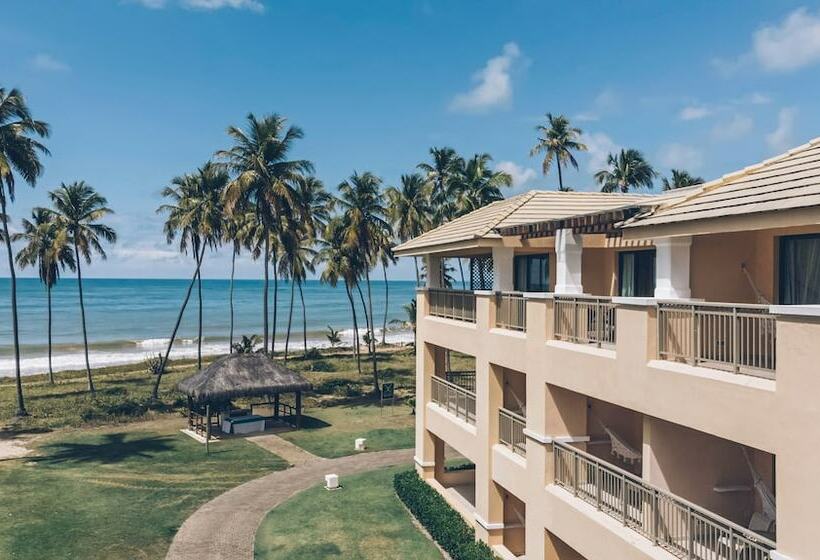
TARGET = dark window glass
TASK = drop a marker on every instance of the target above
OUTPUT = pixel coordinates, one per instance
(800, 270)
(636, 273)
(531, 273)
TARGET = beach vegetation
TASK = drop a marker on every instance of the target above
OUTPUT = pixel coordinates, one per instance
(625, 171)
(557, 140)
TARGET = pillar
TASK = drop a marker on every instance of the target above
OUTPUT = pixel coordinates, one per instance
(433, 265)
(503, 269)
(672, 267)
(298, 409)
(568, 252)
(489, 498)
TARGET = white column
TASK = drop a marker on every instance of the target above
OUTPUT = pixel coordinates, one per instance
(433, 265)
(568, 250)
(503, 279)
(672, 267)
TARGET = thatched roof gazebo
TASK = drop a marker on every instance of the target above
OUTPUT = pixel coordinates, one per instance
(211, 390)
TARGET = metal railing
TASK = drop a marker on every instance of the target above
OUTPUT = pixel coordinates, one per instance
(511, 311)
(511, 431)
(464, 379)
(585, 320)
(680, 527)
(452, 304)
(454, 399)
(740, 338)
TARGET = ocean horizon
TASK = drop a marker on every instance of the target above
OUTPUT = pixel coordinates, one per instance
(131, 319)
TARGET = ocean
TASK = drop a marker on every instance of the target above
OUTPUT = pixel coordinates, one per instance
(129, 320)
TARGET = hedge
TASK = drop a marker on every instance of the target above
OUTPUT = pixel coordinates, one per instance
(443, 523)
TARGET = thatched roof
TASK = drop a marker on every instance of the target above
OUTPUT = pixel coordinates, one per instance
(242, 375)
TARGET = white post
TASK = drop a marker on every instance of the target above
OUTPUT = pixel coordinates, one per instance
(672, 267)
(568, 252)
(433, 265)
(503, 279)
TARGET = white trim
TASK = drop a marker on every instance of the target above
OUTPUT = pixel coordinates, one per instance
(796, 310)
(641, 301)
(571, 439)
(486, 524)
(424, 464)
(775, 555)
(484, 292)
(546, 440)
(540, 438)
(537, 295)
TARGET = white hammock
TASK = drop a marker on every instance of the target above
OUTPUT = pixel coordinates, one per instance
(620, 448)
(762, 521)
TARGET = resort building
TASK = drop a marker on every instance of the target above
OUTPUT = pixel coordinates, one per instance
(647, 369)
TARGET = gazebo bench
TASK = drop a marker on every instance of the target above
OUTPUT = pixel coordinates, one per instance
(243, 424)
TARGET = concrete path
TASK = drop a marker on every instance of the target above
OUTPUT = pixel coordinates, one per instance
(288, 451)
(226, 526)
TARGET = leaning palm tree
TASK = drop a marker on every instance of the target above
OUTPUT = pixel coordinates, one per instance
(298, 257)
(557, 140)
(238, 229)
(680, 179)
(409, 210)
(79, 208)
(19, 153)
(196, 217)
(47, 247)
(265, 183)
(362, 204)
(440, 174)
(386, 258)
(626, 170)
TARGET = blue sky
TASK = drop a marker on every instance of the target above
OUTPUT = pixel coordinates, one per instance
(138, 91)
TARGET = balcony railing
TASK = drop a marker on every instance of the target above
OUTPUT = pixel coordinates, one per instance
(454, 399)
(452, 304)
(585, 320)
(464, 379)
(721, 336)
(680, 527)
(511, 431)
(511, 311)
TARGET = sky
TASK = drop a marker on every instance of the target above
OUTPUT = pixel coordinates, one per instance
(139, 91)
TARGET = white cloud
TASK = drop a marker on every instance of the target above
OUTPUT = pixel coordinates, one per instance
(48, 63)
(756, 98)
(780, 139)
(599, 146)
(734, 128)
(493, 84)
(680, 156)
(520, 175)
(606, 102)
(252, 5)
(146, 252)
(694, 112)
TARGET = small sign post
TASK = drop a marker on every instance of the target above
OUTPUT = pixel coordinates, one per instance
(387, 392)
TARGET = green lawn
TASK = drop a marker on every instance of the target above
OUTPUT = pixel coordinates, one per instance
(116, 493)
(363, 521)
(330, 432)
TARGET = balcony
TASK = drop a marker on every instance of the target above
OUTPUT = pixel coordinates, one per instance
(511, 431)
(719, 336)
(454, 399)
(464, 379)
(585, 320)
(678, 526)
(458, 305)
(511, 311)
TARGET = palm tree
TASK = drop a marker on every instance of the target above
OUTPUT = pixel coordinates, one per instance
(478, 185)
(557, 140)
(80, 208)
(409, 210)
(386, 258)
(444, 166)
(297, 260)
(19, 153)
(362, 204)
(626, 170)
(680, 179)
(48, 247)
(265, 182)
(238, 229)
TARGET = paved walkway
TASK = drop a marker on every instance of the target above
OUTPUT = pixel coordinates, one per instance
(288, 451)
(226, 526)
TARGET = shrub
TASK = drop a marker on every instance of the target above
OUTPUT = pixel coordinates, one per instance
(313, 354)
(443, 523)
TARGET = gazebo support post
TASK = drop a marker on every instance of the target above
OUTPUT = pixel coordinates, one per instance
(298, 409)
(190, 414)
(276, 406)
(207, 428)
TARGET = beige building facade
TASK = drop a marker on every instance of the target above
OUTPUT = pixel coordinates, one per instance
(647, 369)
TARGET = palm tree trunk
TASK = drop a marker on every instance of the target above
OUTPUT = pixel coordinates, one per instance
(364, 310)
(50, 370)
(386, 299)
(461, 268)
(418, 278)
(290, 319)
(266, 260)
(275, 301)
(355, 328)
(82, 319)
(304, 317)
(199, 330)
(372, 334)
(155, 390)
(560, 177)
(21, 407)
(230, 299)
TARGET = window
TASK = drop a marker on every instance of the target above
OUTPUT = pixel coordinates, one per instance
(800, 270)
(531, 273)
(636, 273)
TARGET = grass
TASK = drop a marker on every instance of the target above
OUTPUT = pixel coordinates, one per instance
(329, 432)
(116, 493)
(363, 521)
